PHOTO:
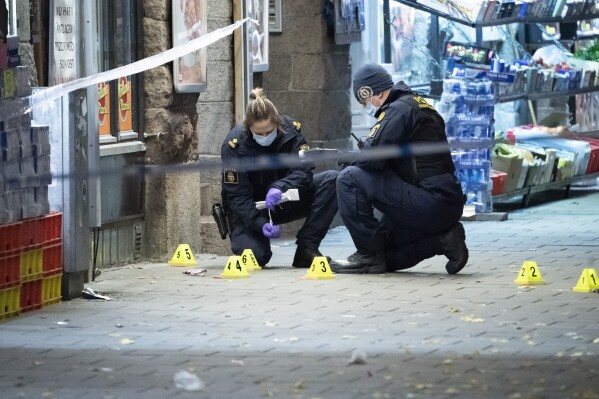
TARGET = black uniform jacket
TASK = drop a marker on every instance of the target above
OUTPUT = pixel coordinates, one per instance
(241, 189)
(406, 118)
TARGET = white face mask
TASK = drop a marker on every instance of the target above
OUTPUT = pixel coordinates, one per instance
(370, 109)
(267, 140)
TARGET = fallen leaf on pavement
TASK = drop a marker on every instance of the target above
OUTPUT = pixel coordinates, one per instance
(472, 319)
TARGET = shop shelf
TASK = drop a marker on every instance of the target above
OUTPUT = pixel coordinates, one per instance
(10, 238)
(10, 271)
(51, 228)
(31, 265)
(31, 234)
(52, 259)
(31, 295)
(51, 290)
(9, 302)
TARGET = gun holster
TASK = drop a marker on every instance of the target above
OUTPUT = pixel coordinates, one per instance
(221, 219)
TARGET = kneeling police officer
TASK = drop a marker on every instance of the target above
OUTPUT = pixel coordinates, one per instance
(419, 196)
(266, 133)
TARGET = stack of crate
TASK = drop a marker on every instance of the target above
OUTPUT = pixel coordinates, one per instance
(30, 237)
(30, 264)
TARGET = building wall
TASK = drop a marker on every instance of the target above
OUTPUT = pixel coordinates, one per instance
(309, 76)
(177, 205)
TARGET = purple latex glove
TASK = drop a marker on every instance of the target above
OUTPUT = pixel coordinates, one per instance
(271, 231)
(272, 198)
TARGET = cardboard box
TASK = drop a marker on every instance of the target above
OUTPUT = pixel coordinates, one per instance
(512, 167)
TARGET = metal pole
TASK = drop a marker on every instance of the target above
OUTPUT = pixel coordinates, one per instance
(386, 32)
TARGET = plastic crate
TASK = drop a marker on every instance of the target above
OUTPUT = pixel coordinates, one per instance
(593, 165)
(498, 179)
(9, 302)
(10, 271)
(31, 234)
(31, 295)
(51, 228)
(10, 238)
(31, 265)
(51, 290)
(52, 260)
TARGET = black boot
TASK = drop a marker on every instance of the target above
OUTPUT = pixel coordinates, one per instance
(360, 263)
(453, 244)
(304, 256)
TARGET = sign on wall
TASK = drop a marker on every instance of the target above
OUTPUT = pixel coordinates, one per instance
(189, 22)
(258, 34)
(104, 108)
(125, 119)
(63, 66)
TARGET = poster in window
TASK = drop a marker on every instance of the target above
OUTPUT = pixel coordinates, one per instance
(258, 34)
(189, 22)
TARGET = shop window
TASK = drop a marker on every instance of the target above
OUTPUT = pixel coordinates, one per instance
(119, 101)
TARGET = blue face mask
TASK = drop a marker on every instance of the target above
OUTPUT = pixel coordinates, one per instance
(265, 141)
(370, 109)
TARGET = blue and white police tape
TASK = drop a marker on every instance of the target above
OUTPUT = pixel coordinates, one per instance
(20, 106)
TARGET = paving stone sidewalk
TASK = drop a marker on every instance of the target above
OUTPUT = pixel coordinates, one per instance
(423, 333)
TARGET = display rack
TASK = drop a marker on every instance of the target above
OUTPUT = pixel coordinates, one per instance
(526, 192)
(424, 90)
(497, 22)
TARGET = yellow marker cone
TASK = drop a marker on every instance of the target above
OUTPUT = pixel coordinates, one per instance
(249, 261)
(183, 257)
(587, 282)
(234, 269)
(319, 270)
(529, 274)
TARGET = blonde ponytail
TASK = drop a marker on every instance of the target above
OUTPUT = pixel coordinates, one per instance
(260, 108)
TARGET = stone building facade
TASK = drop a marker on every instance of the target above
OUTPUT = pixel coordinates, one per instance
(309, 78)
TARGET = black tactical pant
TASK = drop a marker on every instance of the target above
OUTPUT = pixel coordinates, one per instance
(318, 204)
(414, 216)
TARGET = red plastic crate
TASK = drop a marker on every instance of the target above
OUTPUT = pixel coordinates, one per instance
(52, 260)
(10, 238)
(51, 228)
(594, 158)
(31, 295)
(498, 179)
(31, 234)
(10, 271)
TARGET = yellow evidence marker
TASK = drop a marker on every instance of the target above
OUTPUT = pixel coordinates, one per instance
(234, 269)
(249, 261)
(183, 257)
(588, 281)
(319, 270)
(529, 274)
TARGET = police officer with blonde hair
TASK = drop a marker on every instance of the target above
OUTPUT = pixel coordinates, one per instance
(419, 196)
(266, 133)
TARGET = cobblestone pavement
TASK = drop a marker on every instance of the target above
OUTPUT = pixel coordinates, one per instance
(423, 333)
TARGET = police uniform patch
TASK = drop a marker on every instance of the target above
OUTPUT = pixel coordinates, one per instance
(304, 147)
(297, 125)
(374, 130)
(230, 176)
(233, 143)
(381, 116)
(422, 103)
